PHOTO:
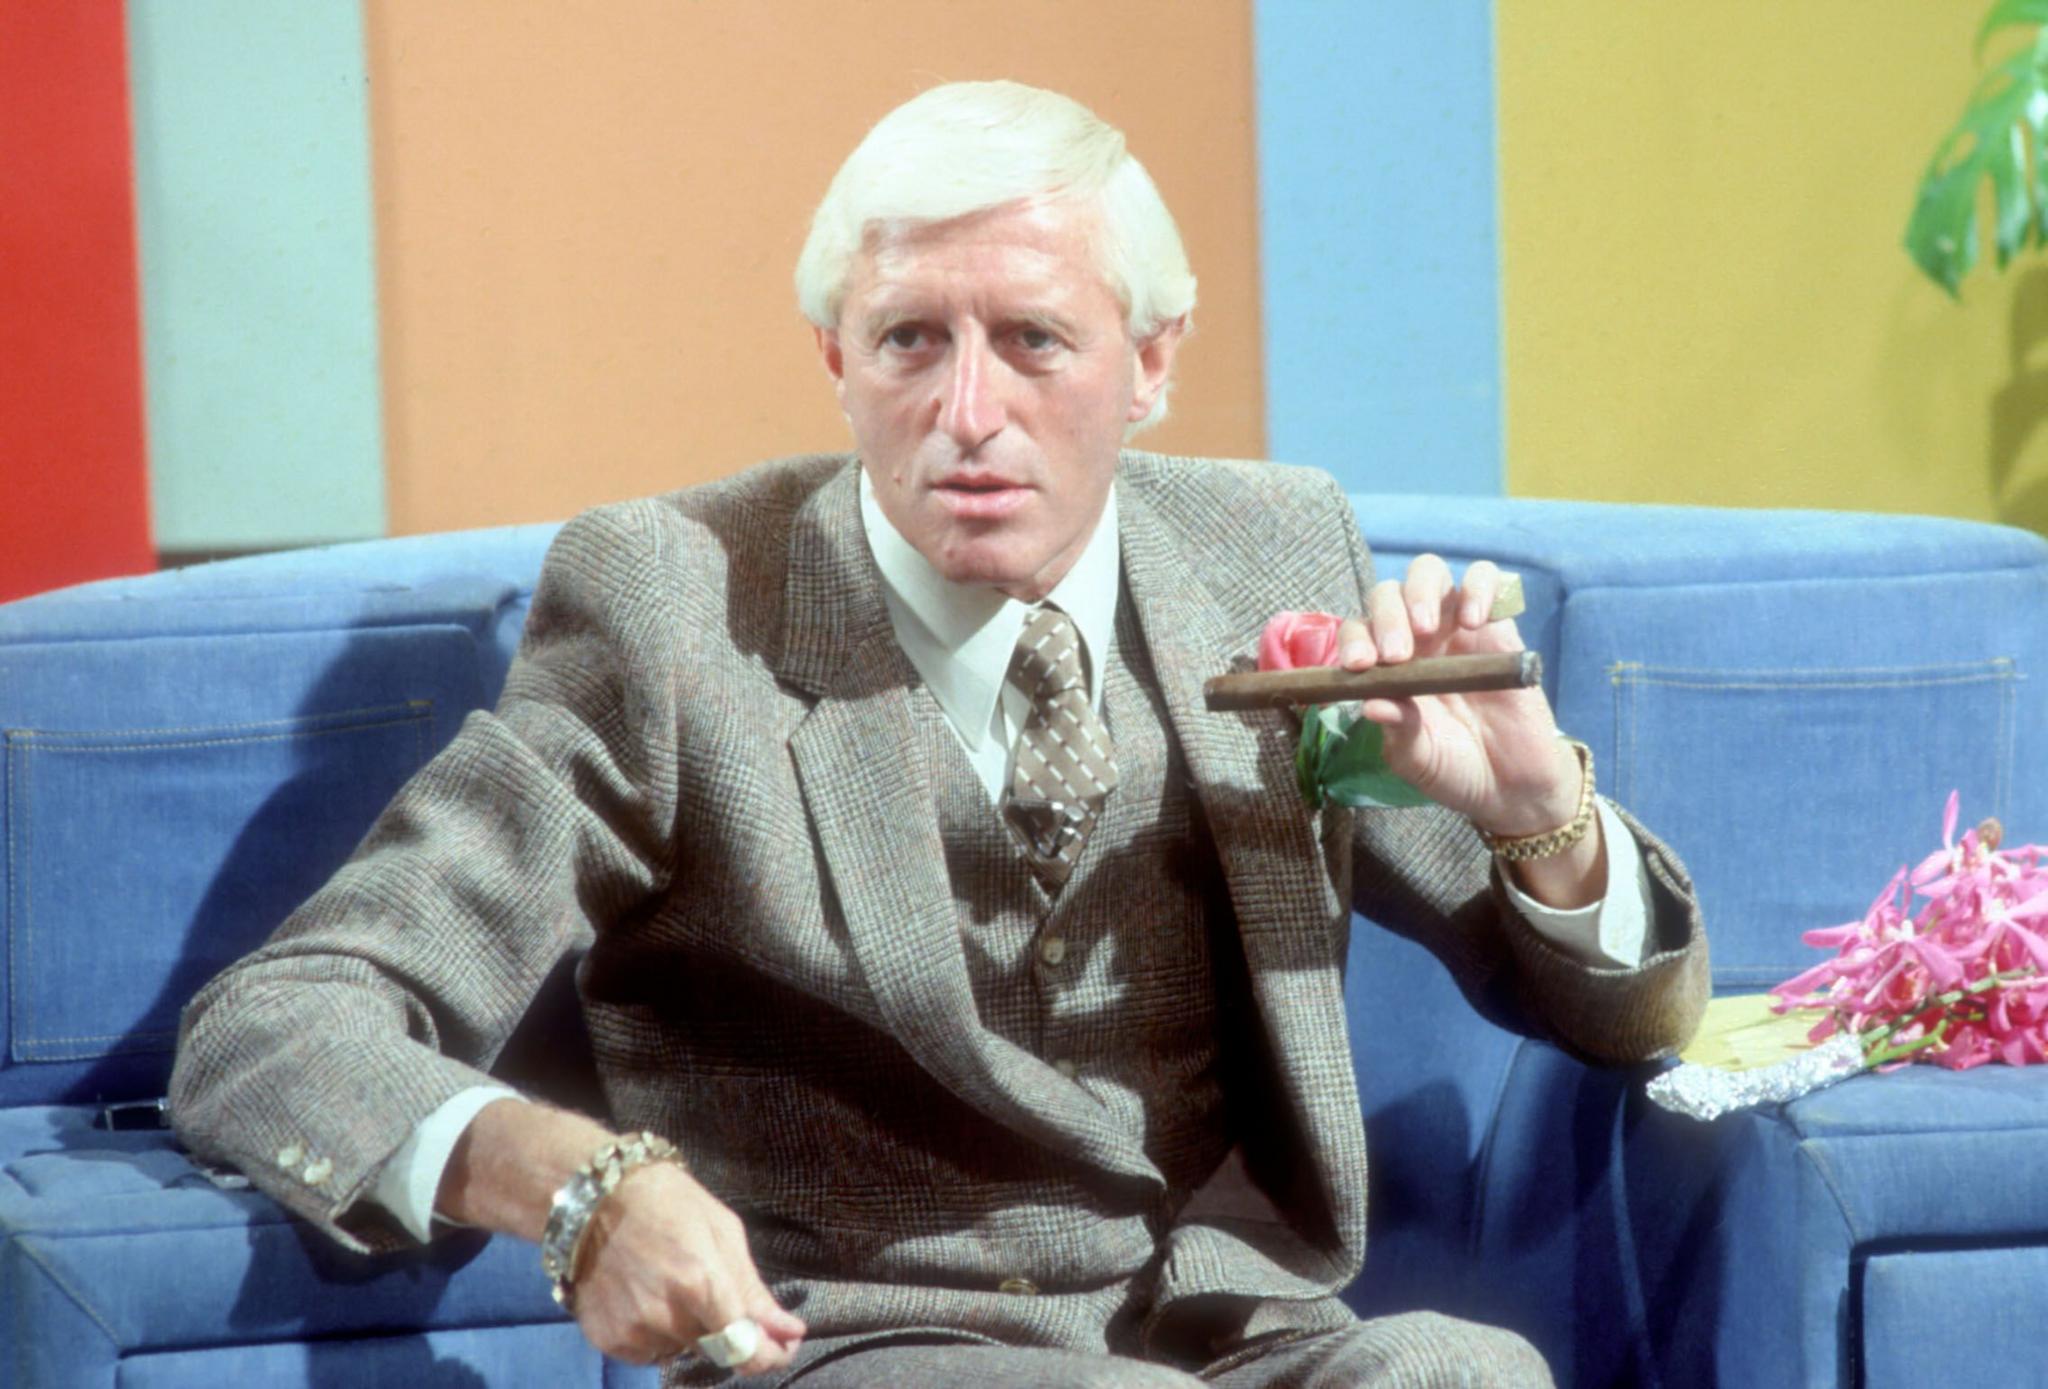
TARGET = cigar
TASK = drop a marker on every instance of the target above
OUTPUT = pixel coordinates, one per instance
(1425, 675)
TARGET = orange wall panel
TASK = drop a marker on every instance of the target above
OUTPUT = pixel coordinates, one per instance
(588, 217)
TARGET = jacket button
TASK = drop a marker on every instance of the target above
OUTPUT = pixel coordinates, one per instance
(319, 1171)
(1018, 1287)
(289, 1155)
(1052, 950)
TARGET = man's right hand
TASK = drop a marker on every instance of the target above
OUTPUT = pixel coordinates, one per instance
(663, 1262)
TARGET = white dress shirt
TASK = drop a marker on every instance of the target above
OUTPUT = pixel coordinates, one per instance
(960, 639)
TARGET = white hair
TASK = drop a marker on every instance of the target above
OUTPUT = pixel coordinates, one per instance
(967, 147)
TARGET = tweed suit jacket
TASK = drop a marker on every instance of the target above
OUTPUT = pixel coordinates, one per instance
(703, 771)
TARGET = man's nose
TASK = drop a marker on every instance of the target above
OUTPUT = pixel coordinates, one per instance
(970, 404)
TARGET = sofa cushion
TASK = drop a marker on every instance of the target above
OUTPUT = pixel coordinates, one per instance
(1924, 1153)
(467, 1358)
(117, 1237)
(1928, 1314)
(1740, 1240)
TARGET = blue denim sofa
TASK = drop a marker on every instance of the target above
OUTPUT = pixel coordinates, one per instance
(1788, 697)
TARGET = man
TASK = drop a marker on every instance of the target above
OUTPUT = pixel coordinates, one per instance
(987, 983)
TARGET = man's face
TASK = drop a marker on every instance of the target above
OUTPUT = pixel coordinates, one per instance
(989, 377)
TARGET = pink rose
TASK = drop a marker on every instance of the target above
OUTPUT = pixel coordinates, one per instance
(1298, 639)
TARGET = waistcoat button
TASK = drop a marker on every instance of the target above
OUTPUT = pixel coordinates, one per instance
(1052, 950)
(1018, 1287)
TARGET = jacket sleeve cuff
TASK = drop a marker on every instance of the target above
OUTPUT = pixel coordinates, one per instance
(411, 1177)
(1609, 933)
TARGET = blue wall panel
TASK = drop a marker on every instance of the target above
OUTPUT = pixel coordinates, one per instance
(259, 293)
(1380, 263)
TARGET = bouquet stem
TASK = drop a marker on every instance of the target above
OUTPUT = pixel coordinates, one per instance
(1877, 1053)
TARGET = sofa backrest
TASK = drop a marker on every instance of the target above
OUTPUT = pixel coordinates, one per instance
(1788, 697)
(188, 755)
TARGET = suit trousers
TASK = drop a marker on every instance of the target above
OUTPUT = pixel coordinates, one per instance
(1411, 1350)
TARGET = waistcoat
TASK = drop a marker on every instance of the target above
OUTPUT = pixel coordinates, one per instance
(1111, 983)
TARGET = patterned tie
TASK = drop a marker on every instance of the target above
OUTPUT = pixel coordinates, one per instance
(1063, 771)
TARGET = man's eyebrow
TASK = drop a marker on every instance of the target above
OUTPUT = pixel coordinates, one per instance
(879, 321)
(1065, 327)
(1043, 318)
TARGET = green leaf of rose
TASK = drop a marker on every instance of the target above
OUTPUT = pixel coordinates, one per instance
(1308, 756)
(1353, 768)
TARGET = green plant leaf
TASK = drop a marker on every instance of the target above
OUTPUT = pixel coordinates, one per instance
(1354, 770)
(2004, 123)
(2007, 13)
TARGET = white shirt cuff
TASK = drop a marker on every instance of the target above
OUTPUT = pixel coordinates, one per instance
(411, 1178)
(1609, 932)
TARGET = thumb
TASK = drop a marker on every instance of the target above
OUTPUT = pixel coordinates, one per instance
(781, 1326)
(785, 1328)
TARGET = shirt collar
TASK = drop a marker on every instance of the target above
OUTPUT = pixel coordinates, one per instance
(960, 637)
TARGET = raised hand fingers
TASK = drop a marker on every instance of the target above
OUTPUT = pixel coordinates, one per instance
(1420, 613)
(1387, 612)
(1428, 584)
(1481, 587)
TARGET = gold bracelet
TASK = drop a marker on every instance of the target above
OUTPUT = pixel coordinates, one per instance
(1520, 848)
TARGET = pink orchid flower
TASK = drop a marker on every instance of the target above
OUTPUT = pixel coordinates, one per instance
(1963, 982)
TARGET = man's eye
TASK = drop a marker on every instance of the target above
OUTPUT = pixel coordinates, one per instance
(904, 337)
(1036, 340)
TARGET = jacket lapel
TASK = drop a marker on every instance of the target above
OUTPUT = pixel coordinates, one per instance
(1288, 913)
(869, 796)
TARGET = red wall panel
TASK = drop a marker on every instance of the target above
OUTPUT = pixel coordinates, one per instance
(73, 481)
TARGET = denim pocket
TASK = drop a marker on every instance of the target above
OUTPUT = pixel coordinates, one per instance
(1793, 795)
(110, 928)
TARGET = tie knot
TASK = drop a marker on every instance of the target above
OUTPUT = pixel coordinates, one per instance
(1047, 662)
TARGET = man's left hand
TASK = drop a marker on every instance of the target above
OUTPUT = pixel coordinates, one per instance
(1493, 757)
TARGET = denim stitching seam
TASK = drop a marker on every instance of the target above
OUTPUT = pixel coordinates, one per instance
(1833, 1184)
(299, 735)
(160, 1035)
(16, 863)
(64, 1286)
(22, 1021)
(1943, 668)
(2008, 696)
(283, 725)
(1924, 683)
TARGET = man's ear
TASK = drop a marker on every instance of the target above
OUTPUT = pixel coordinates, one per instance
(834, 358)
(1155, 365)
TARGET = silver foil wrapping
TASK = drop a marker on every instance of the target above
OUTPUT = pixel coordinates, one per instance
(1708, 1092)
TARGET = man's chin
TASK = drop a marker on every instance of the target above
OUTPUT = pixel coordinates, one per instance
(972, 568)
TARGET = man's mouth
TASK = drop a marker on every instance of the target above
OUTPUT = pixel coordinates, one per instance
(980, 496)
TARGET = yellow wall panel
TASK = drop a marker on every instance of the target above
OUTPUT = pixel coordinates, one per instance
(588, 216)
(1704, 290)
